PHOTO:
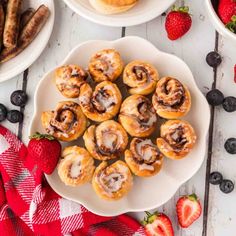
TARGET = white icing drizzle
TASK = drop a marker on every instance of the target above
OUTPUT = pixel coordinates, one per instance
(146, 154)
(76, 168)
(144, 166)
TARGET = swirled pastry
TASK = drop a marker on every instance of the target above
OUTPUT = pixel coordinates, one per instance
(66, 123)
(141, 77)
(143, 158)
(101, 104)
(106, 141)
(76, 166)
(112, 182)
(106, 65)
(138, 116)
(177, 139)
(69, 79)
(172, 99)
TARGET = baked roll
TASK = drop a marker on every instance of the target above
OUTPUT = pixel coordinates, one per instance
(138, 116)
(177, 139)
(101, 104)
(76, 166)
(143, 158)
(112, 182)
(172, 99)
(140, 77)
(69, 79)
(66, 123)
(106, 141)
(106, 65)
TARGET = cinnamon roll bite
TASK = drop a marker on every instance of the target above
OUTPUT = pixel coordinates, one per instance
(177, 139)
(101, 104)
(106, 65)
(143, 158)
(172, 99)
(112, 182)
(69, 79)
(141, 77)
(106, 141)
(66, 123)
(76, 166)
(138, 116)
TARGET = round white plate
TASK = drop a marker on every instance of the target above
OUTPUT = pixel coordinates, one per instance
(143, 11)
(146, 193)
(21, 62)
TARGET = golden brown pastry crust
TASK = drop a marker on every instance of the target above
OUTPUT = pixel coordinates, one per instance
(66, 123)
(177, 139)
(101, 104)
(112, 182)
(172, 99)
(106, 141)
(140, 77)
(138, 116)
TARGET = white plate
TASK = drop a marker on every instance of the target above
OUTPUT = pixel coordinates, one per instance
(21, 62)
(147, 193)
(143, 11)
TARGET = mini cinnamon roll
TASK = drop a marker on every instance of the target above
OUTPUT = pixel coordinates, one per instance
(172, 99)
(112, 182)
(141, 77)
(69, 79)
(106, 65)
(177, 139)
(101, 104)
(143, 158)
(106, 141)
(66, 123)
(76, 166)
(138, 116)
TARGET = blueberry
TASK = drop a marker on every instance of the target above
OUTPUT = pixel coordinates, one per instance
(213, 59)
(216, 178)
(215, 97)
(230, 145)
(229, 104)
(3, 112)
(227, 186)
(19, 98)
(14, 116)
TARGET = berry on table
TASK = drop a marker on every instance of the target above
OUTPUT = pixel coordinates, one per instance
(213, 59)
(215, 97)
(14, 116)
(229, 104)
(216, 178)
(230, 145)
(3, 112)
(19, 98)
(227, 186)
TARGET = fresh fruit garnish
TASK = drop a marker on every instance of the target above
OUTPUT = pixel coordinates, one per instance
(215, 97)
(230, 145)
(229, 104)
(235, 73)
(15, 116)
(216, 178)
(227, 10)
(45, 151)
(213, 59)
(3, 112)
(19, 98)
(227, 186)
(178, 22)
(157, 224)
(232, 24)
(188, 210)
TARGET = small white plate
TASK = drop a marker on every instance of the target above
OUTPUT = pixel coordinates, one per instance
(26, 58)
(143, 11)
(146, 193)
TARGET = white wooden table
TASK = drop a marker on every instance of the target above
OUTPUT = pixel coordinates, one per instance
(219, 210)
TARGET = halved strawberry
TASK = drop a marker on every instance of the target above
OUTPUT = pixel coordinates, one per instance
(188, 210)
(157, 224)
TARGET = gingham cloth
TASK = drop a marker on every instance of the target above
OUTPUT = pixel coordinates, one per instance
(28, 206)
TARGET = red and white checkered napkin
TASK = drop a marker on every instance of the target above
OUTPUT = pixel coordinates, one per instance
(28, 206)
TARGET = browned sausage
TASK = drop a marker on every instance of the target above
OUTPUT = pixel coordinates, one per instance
(28, 33)
(2, 18)
(12, 23)
(25, 17)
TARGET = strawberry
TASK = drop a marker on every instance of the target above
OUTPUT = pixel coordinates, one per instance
(157, 224)
(45, 151)
(188, 210)
(227, 13)
(178, 22)
(235, 73)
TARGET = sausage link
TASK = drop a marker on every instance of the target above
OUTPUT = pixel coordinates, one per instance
(25, 17)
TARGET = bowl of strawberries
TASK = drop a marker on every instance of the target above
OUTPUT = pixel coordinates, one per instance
(222, 13)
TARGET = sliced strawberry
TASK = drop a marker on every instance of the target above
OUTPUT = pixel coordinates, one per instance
(188, 210)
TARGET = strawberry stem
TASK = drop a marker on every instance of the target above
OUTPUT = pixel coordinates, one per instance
(39, 136)
(183, 9)
(232, 24)
(193, 197)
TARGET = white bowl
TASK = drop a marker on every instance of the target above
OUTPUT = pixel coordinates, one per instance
(143, 11)
(218, 24)
(26, 58)
(147, 193)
